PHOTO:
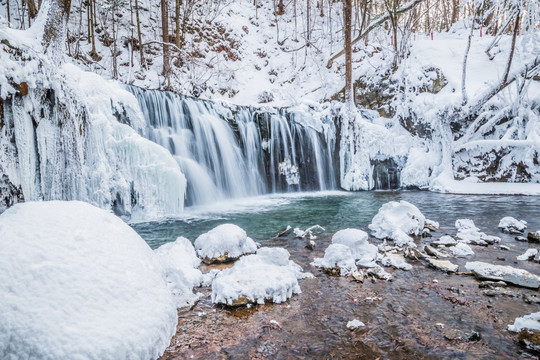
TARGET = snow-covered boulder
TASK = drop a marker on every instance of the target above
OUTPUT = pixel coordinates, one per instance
(337, 259)
(396, 221)
(77, 282)
(507, 274)
(445, 240)
(266, 276)
(461, 250)
(179, 264)
(529, 322)
(224, 243)
(512, 226)
(396, 260)
(470, 234)
(528, 255)
(357, 241)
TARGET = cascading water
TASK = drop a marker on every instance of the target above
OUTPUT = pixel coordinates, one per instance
(231, 151)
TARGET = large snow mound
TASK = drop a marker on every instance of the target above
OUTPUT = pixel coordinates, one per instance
(179, 264)
(227, 241)
(77, 282)
(395, 220)
(268, 275)
(357, 241)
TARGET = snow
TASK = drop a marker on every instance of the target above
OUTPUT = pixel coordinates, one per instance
(396, 260)
(397, 220)
(432, 223)
(76, 281)
(355, 324)
(461, 250)
(224, 240)
(530, 253)
(337, 256)
(357, 241)
(445, 240)
(470, 234)
(268, 275)
(529, 322)
(508, 224)
(179, 264)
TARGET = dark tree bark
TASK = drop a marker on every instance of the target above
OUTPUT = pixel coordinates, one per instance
(55, 28)
(143, 65)
(165, 33)
(347, 28)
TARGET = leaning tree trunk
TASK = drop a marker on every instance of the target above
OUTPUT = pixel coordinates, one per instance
(347, 24)
(54, 34)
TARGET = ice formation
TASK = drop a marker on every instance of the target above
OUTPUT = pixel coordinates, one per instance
(268, 275)
(179, 264)
(397, 220)
(357, 240)
(224, 242)
(76, 281)
(337, 256)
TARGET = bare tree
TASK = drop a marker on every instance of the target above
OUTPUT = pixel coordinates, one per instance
(347, 29)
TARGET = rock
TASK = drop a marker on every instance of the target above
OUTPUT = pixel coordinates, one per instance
(489, 239)
(508, 274)
(413, 254)
(528, 255)
(499, 291)
(461, 250)
(531, 299)
(310, 245)
(431, 225)
(426, 233)
(355, 324)
(510, 225)
(474, 336)
(491, 284)
(224, 243)
(434, 252)
(521, 238)
(379, 273)
(530, 339)
(504, 247)
(445, 241)
(533, 236)
(443, 265)
(396, 260)
(358, 276)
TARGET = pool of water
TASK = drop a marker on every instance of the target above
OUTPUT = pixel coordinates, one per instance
(263, 217)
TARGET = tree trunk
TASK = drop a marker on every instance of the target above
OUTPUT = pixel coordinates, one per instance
(32, 9)
(139, 34)
(347, 29)
(177, 39)
(55, 29)
(513, 46)
(464, 72)
(8, 12)
(165, 34)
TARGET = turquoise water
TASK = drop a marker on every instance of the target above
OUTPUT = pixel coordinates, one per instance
(263, 217)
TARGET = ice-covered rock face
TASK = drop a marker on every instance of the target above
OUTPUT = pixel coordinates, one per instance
(224, 243)
(397, 220)
(76, 281)
(179, 264)
(268, 276)
(337, 259)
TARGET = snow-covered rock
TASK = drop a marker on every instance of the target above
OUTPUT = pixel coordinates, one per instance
(507, 274)
(461, 250)
(528, 255)
(470, 234)
(445, 240)
(355, 324)
(512, 226)
(395, 260)
(443, 265)
(179, 263)
(268, 275)
(77, 282)
(357, 240)
(431, 225)
(224, 243)
(529, 322)
(337, 258)
(397, 220)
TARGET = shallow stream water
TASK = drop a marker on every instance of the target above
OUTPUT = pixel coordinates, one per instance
(410, 317)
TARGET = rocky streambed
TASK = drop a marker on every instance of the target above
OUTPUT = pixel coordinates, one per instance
(423, 313)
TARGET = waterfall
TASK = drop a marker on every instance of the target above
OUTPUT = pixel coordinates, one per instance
(228, 151)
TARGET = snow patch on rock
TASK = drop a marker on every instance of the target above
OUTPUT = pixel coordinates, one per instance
(224, 242)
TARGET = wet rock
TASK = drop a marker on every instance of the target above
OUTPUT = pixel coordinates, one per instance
(434, 252)
(413, 254)
(443, 265)
(533, 236)
(513, 226)
(310, 245)
(530, 254)
(355, 324)
(521, 238)
(531, 299)
(445, 241)
(504, 247)
(474, 336)
(530, 339)
(500, 291)
(379, 273)
(396, 260)
(453, 334)
(492, 284)
(508, 274)
(358, 276)
(426, 233)
(431, 225)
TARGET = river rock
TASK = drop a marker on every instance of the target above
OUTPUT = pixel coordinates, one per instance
(534, 236)
(528, 329)
(413, 254)
(379, 273)
(445, 241)
(434, 252)
(528, 255)
(530, 339)
(396, 260)
(443, 265)
(358, 276)
(224, 243)
(521, 238)
(431, 225)
(510, 225)
(508, 274)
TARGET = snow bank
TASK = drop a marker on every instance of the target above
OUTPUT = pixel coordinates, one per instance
(268, 275)
(357, 241)
(179, 264)
(529, 322)
(77, 282)
(337, 256)
(396, 220)
(223, 243)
